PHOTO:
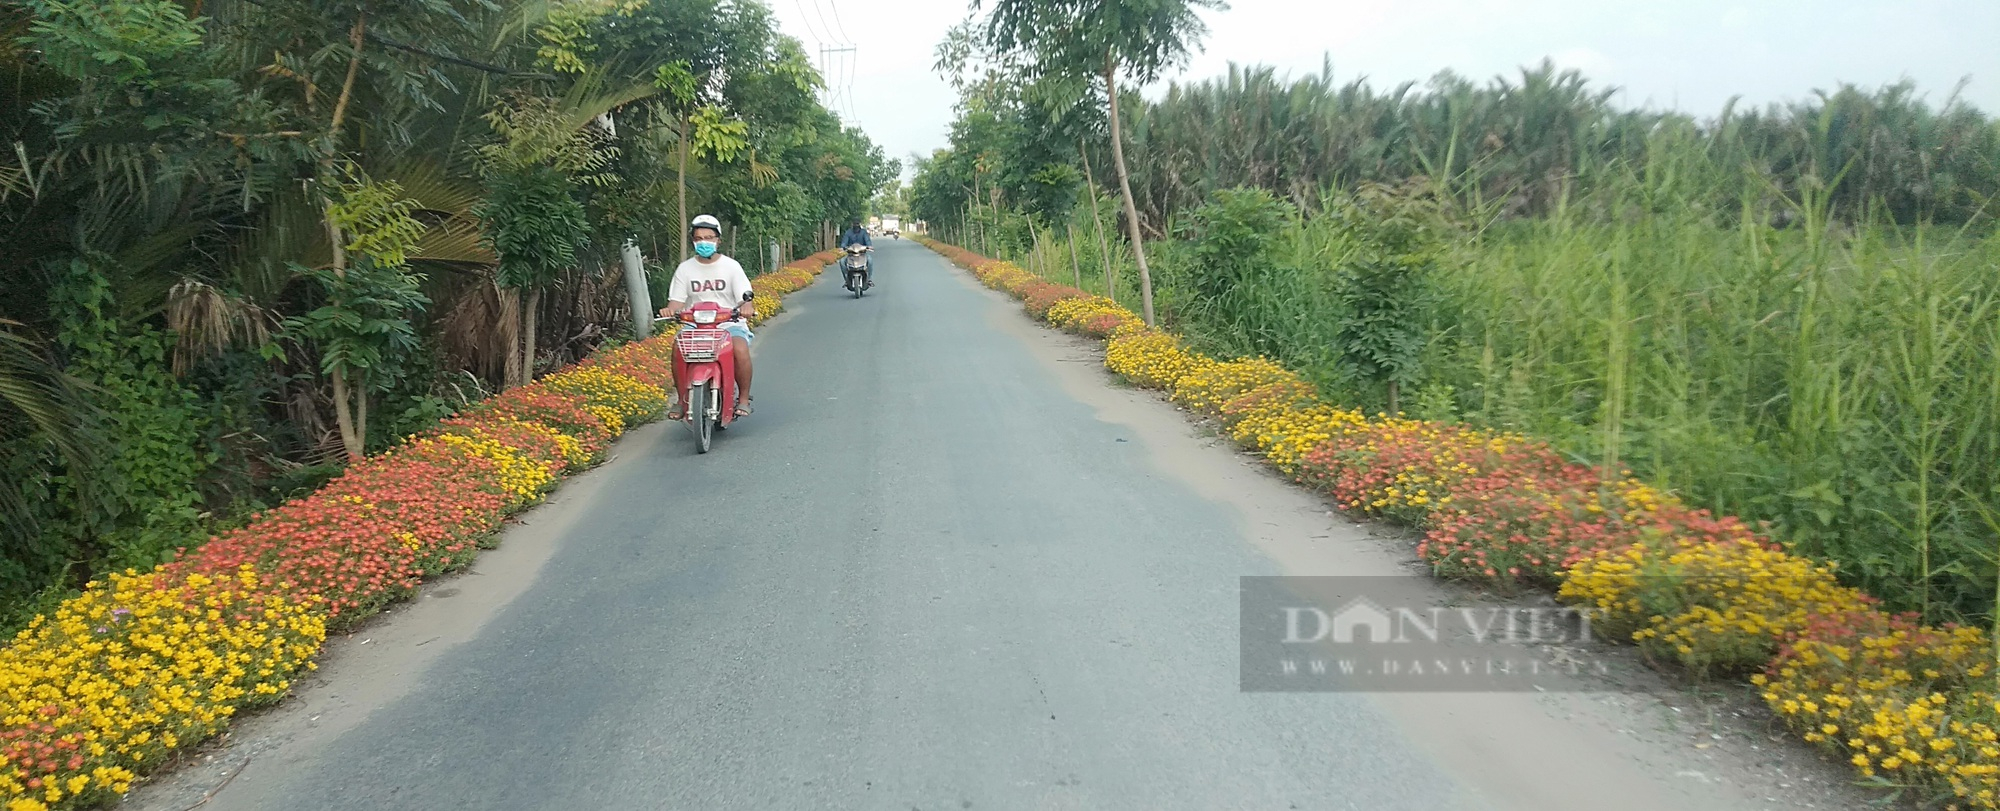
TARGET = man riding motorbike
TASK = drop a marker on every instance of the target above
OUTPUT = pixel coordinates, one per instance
(856, 235)
(711, 276)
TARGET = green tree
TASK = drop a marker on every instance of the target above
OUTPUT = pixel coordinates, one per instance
(1385, 287)
(542, 155)
(1075, 39)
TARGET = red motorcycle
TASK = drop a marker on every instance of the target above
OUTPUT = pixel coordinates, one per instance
(705, 370)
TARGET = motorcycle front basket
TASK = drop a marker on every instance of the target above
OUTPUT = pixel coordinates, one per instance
(699, 346)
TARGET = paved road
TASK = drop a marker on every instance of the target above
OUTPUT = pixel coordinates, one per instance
(943, 567)
(919, 577)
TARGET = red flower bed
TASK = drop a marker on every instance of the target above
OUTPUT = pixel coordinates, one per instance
(1521, 535)
(563, 412)
(1405, 469)
(1102, 325)
(649, 362)
(370, 535)
(1038, 296)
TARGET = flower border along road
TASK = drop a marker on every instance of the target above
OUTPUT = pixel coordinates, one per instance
(1905, 704)
(142, 664)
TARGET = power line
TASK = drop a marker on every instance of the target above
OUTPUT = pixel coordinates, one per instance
(835, 8)
(839, 79)
(817, 39)
(837, 61)
(847, 86)
(853, 68)
(823, 25)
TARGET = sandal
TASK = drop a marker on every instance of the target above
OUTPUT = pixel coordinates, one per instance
(743, 410)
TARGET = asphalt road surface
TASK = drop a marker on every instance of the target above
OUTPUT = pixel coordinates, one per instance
(924, 575)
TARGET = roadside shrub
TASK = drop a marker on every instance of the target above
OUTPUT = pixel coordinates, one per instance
(371, 534)
(649, 362)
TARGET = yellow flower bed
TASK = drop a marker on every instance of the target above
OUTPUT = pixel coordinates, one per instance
(1151, 359)
(1211, 385)
(1003, 276)
(1641, 500)
(131, 669)
(1902, 703)
(613, 421)
(573, 453)
(767, 309)
(1071, 311)
(632, 401)
(1091, 315)
(1714, 608)
(523, 478)
(1285, 434)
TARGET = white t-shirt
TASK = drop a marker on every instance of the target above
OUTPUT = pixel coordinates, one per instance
(721, 281)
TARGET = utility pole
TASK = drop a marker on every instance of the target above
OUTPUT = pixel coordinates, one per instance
(825, 52)
(640, 299)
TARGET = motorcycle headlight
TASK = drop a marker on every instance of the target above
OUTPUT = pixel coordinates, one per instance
(704, 316)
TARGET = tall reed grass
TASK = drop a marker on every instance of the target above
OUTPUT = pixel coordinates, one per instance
(1839, 382)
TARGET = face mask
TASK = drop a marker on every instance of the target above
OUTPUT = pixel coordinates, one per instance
(704, 249)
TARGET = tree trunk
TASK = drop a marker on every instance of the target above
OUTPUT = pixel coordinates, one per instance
(1125, 188)
(1097, 217)
(361, 418)
(681, 186)
(343, 415)
(510, 314)
(355, 37)
(529, 315)
(1037, 260)
(1075, 268)
(1392, 399)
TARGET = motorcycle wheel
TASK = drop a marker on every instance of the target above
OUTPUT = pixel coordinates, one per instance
(699, 399)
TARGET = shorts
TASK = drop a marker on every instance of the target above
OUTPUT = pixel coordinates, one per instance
(740, 330)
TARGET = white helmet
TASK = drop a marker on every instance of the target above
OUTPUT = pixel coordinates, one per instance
(705, 221)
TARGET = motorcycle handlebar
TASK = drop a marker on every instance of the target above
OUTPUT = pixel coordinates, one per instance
(685, 316)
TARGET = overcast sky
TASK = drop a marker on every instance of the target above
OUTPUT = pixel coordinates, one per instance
(1690, 55)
